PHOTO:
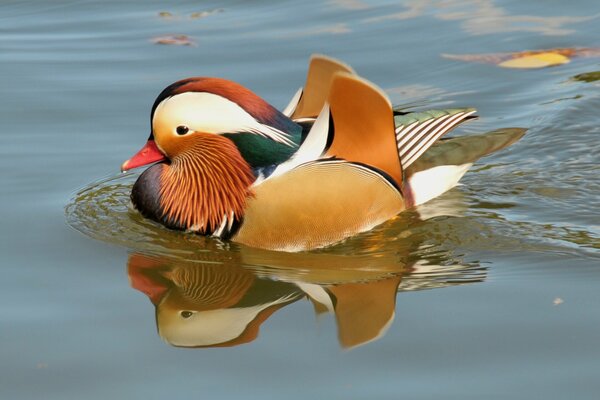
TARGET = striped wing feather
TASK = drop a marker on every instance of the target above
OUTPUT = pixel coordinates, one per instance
(417, 132)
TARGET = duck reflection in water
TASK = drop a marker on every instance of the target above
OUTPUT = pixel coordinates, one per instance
(222, 299)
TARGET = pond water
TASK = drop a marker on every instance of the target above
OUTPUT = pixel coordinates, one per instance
(490, 291)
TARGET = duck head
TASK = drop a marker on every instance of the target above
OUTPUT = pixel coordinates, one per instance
(210, 139)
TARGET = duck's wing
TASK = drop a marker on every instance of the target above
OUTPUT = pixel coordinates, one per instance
(362, 128)
(347, 175)
(356, 125)
(344, 179)
(309, 100)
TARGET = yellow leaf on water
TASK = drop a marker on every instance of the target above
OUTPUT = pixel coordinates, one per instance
(540, 60)
(530, 58)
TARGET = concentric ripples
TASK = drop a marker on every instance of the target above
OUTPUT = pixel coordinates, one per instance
(429, 243)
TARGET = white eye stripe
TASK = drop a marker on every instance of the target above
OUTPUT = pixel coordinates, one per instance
(211, 113)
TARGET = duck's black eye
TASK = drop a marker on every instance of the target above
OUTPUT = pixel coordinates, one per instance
(186, 314)
(182, 130)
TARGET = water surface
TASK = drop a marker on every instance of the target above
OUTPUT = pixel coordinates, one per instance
(491, 291)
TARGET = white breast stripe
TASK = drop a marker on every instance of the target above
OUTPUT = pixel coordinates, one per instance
(313, 146)
(231, 220)
(219, 231)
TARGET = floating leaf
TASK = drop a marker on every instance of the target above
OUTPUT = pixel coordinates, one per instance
(588, 76)
(176, 40)
(536, 61)
(203, 14)
(528, 59)
(558, 301)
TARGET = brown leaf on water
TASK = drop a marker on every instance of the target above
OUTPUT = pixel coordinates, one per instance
(587, 77)
(204, 14)
(175, 40)
(558, 301)
(528, 59)
(165, 14)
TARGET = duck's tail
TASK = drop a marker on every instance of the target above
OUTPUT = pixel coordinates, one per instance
(440, 168)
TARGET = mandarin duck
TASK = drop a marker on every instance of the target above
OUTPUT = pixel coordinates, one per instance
(337, 161)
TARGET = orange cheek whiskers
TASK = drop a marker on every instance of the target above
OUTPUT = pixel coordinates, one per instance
(210, 181)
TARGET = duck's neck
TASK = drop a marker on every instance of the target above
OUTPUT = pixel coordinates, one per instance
(260, 151)
(203, 189)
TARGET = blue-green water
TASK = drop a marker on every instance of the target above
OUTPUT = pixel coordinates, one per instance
(498, 281)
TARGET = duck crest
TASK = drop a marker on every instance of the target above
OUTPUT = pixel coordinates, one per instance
(205, 188)
(249, 101)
